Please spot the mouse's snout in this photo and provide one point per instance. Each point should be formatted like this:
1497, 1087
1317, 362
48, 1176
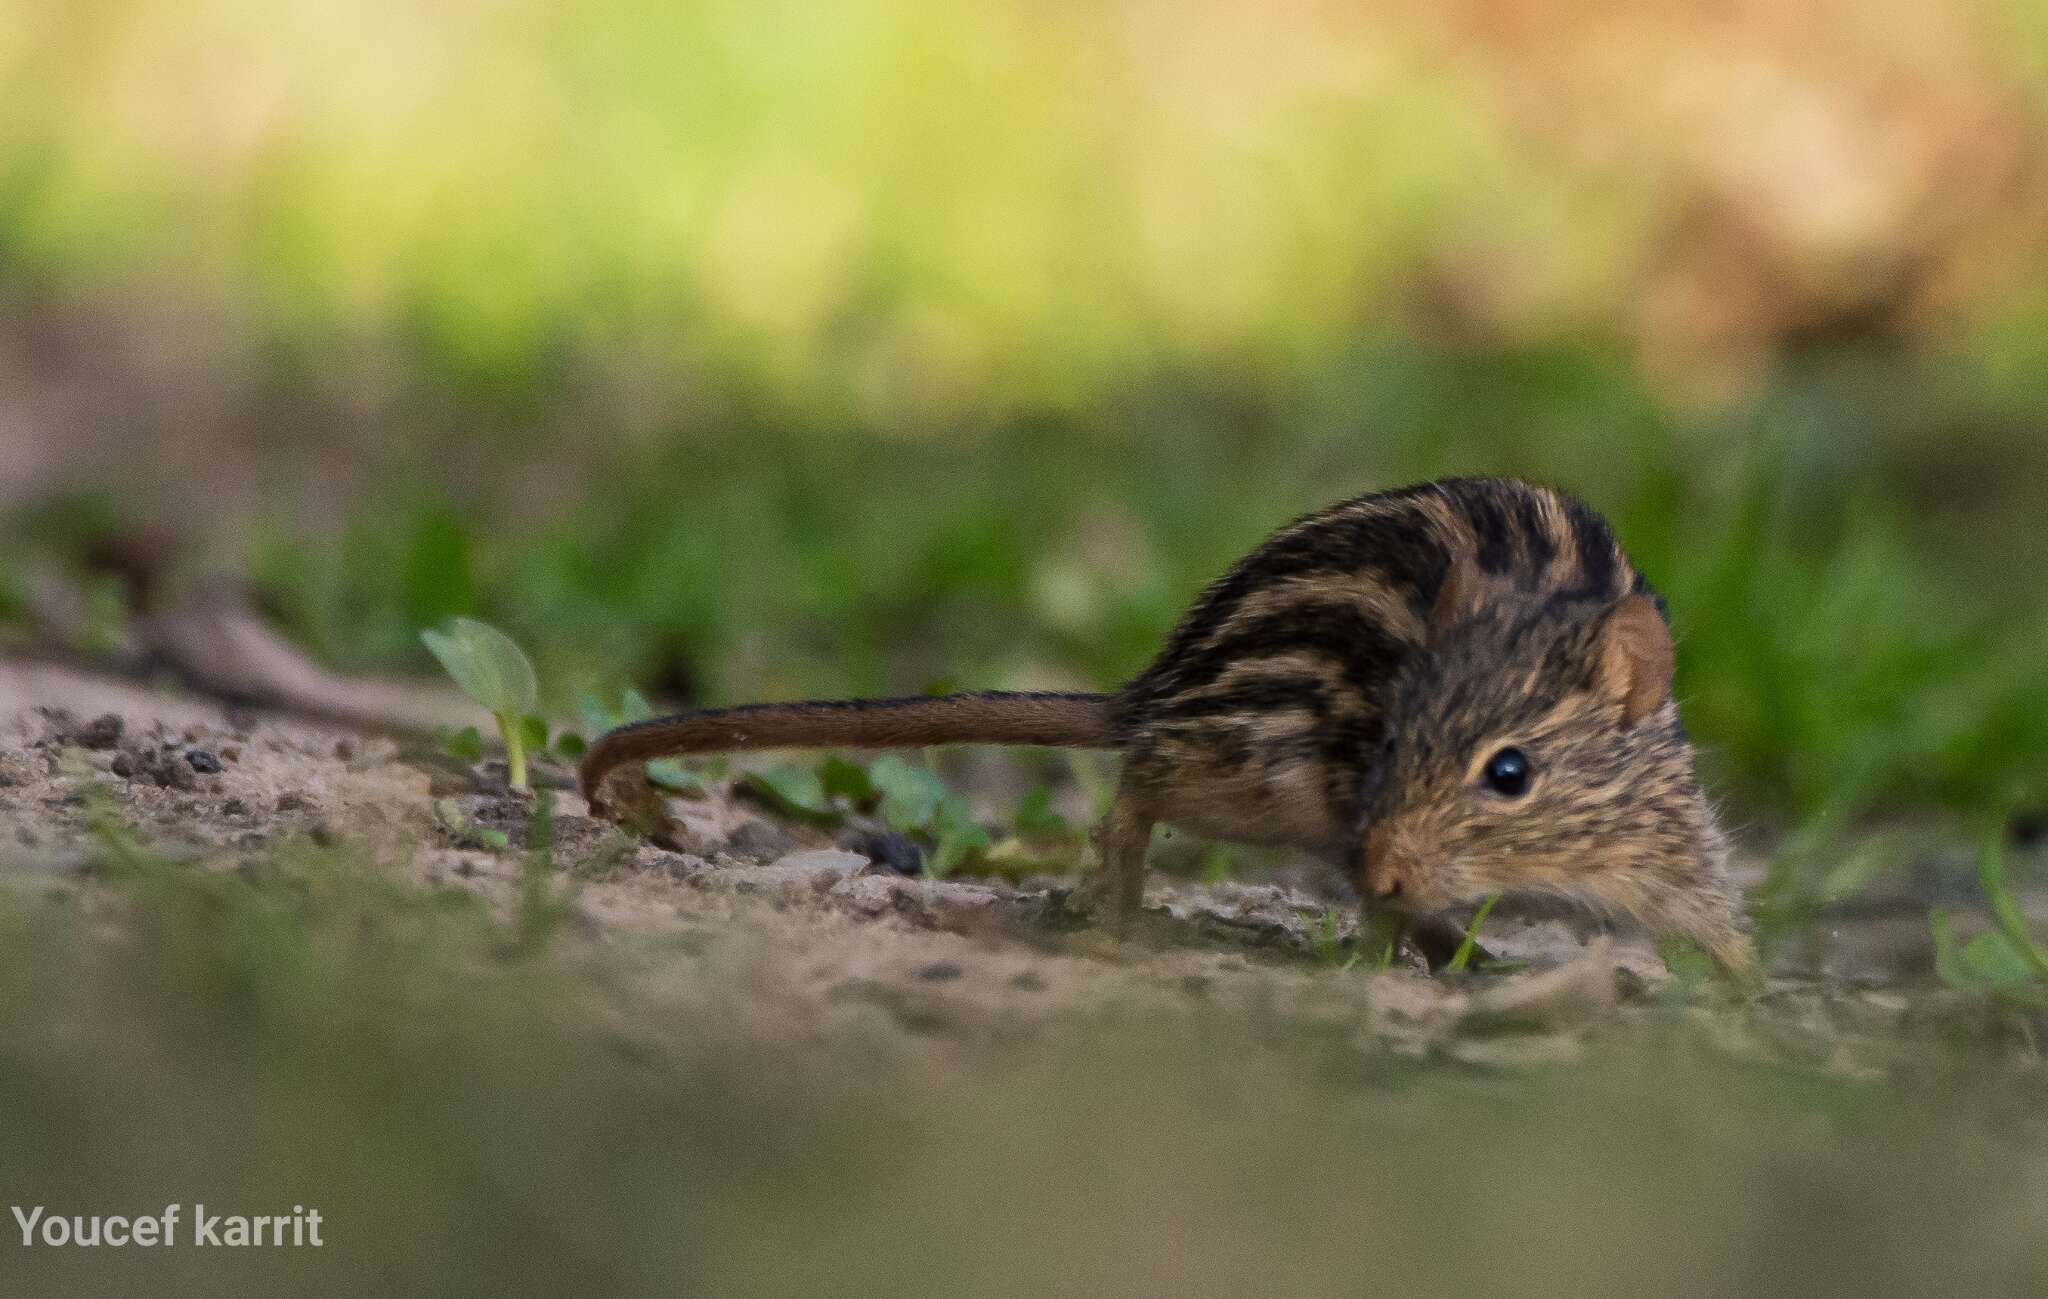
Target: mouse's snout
1397, 862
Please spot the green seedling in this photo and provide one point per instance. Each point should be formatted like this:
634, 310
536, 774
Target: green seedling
465, 745
491, 669
846, 779
1036, 817
2006, 961
914, 800
1323, 942
1463, 956
541, 909
793, 790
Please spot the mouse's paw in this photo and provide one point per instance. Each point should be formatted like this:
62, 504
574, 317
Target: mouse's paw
1098, 897
1086, 901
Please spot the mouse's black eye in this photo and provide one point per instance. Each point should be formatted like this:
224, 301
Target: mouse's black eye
1508, 772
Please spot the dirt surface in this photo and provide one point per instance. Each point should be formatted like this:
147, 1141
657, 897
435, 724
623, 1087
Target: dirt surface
789, 928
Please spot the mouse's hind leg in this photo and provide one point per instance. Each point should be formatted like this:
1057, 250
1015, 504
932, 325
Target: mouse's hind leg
1116, 884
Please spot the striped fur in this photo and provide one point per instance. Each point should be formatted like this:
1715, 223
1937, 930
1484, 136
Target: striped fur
1272, 696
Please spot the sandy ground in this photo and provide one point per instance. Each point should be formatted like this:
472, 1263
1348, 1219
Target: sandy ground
790, 928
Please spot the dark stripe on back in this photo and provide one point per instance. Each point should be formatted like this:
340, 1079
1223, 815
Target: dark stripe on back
1278, 693
1526, 513
1337, 629
1350, 538
1595, 544
1481, 505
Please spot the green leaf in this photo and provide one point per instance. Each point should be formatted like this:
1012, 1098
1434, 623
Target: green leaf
1948, 962
533, 728
2004, 907
633, 707
1035, 814
1690, 967
1996, 962
671, 774
465, 745
1988, 962
956, 838
569, 746
793, 789
910, 795
846, 779
1217, 864
596, 718
487, 664
1463, 956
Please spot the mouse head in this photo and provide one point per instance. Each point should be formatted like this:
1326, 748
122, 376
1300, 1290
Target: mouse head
1535, 750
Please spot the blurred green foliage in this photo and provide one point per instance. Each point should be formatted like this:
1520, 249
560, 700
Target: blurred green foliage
1843, 649
869, 346
891, 203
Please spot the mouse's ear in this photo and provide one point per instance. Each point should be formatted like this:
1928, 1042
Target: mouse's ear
1636, 657
1457, 597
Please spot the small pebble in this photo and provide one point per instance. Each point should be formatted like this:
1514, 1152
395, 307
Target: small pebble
203, 762
892, 852
15, 770
102, 732
170, 773
759, 841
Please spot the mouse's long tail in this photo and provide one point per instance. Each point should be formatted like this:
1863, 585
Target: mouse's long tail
1058, 720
